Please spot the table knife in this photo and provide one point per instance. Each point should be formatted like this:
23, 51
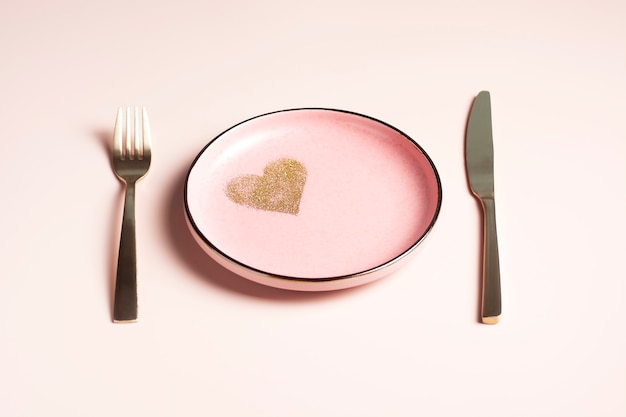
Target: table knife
479, 165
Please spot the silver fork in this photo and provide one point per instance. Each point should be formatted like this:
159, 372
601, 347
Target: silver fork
131, 160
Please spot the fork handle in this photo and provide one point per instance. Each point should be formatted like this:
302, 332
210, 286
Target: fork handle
491, 299
125, 303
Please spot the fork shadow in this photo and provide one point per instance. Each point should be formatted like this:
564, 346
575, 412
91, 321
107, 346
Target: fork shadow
105, 138
202, 266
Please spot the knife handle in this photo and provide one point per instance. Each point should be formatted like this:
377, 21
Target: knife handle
491, 298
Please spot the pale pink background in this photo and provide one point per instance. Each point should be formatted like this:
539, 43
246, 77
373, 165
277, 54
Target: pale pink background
209, 343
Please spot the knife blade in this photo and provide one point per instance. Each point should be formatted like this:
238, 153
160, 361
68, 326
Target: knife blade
479, 166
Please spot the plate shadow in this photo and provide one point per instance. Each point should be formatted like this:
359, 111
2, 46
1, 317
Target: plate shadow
205, 268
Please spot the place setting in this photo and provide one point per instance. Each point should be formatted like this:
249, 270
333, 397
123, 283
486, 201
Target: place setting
308, 199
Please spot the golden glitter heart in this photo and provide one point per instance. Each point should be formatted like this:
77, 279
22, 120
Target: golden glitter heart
278, 189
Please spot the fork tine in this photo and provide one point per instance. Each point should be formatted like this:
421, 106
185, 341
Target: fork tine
117, 134
147, 135
127, 145
137, 137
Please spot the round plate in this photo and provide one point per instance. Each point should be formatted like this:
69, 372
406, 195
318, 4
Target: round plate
311, 199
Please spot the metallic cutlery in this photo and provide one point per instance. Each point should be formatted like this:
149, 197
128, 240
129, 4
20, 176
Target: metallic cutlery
132, 153
479, 165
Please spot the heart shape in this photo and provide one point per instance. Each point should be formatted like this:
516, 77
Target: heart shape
278, 189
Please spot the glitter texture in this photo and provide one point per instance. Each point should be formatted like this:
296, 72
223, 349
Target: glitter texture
278, 189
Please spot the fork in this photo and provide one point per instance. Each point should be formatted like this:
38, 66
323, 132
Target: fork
131, 159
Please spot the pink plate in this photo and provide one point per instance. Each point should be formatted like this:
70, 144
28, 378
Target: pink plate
311, 199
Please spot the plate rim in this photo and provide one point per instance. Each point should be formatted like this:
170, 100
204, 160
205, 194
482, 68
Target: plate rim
265, 274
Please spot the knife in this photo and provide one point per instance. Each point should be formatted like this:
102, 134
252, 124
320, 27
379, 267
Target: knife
479, 165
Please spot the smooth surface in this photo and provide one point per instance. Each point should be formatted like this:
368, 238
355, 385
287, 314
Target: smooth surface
366, 194
408, 345
479, 165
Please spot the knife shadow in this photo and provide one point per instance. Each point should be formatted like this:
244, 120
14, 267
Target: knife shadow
467, 119
480, 265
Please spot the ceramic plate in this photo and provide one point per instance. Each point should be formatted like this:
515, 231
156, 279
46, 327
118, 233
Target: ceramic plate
311, 199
